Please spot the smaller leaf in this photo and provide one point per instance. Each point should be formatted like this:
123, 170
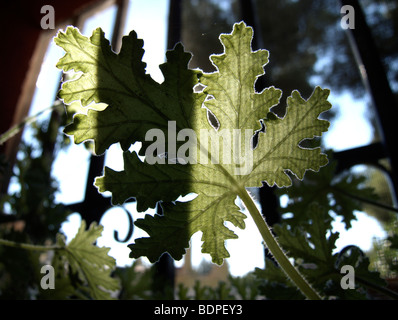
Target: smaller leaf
92, 264
341, 194
312, 246
309, 242
274, 284
352, 255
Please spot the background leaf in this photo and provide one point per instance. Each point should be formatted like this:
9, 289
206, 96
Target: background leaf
312, 245
91, 264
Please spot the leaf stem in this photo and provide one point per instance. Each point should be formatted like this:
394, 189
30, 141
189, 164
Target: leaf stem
27, 246
384, 290
28, 120
365, 200
276, 250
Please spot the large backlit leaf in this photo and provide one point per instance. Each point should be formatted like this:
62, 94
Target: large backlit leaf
184, 158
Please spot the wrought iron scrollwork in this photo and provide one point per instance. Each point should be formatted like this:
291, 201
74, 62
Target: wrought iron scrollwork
130, 228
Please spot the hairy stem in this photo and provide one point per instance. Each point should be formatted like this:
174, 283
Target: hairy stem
276, 250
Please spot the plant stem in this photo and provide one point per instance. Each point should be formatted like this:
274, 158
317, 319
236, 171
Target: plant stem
373, 286
368, 201
18, 127
28, 246
276, 250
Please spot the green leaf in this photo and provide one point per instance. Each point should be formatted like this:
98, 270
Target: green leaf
342, 194
352, 255
279, 150
312, 246
89, 262
274, 285
192, 163
136, 103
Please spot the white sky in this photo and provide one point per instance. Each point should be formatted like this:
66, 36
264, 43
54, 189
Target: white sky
351, 128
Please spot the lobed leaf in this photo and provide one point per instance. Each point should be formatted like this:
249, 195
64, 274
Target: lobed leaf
137, 104
312, 247
342, 194
91, 263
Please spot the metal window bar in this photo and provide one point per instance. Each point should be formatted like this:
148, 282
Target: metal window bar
164, 269
375, 81
94, 205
